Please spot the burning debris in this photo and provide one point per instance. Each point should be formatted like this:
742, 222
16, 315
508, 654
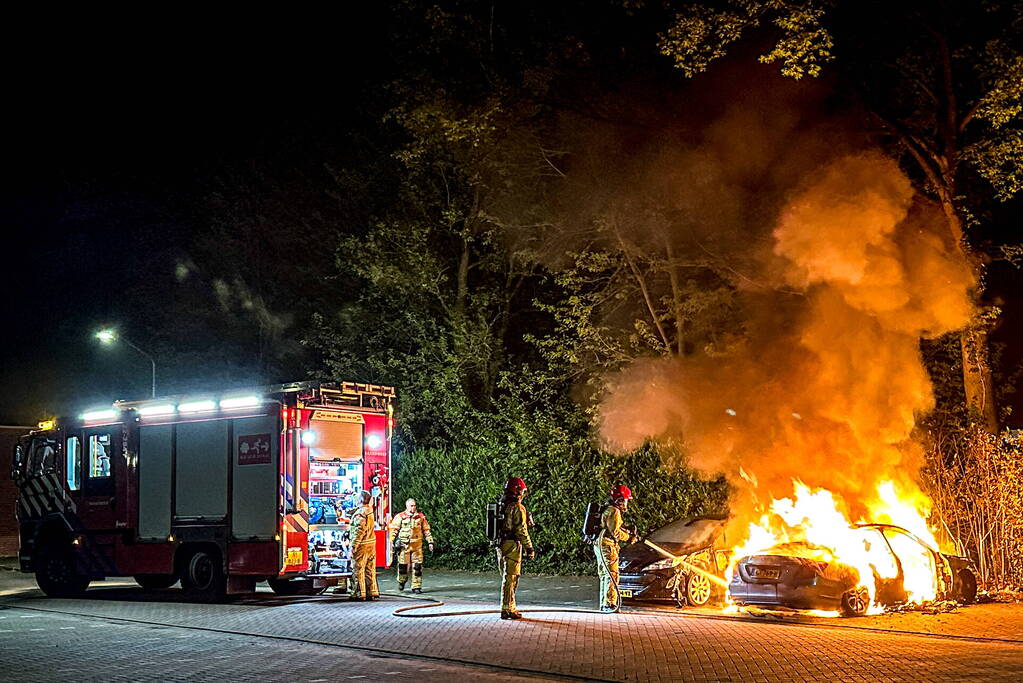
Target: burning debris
811, 419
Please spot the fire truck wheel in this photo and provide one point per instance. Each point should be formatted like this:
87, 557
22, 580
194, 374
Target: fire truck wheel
55, 574
203, 575
155, 582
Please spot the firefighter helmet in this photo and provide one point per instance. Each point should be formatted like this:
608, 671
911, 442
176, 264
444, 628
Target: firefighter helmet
621, 492
515, 486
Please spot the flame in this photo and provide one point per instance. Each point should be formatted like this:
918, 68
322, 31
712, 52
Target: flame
812, 525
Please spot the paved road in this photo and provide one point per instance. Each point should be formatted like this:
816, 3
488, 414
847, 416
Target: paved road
119, 632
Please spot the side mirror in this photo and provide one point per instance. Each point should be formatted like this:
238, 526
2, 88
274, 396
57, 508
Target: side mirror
18, 461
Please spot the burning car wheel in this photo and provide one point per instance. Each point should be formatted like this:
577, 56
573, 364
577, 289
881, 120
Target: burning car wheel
56, 576
967, 591
855, 602
698, 590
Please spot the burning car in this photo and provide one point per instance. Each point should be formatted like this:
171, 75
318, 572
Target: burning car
697, 542
805, 576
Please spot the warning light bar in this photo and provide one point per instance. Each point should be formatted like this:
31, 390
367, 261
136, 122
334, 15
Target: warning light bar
161, 409
240, 402
93, 415
197, 406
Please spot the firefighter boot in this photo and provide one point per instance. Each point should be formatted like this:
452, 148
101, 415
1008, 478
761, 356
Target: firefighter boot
402, 570
417, 575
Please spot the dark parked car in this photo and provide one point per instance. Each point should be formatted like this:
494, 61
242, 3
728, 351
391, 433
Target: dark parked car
789, 576
645, 574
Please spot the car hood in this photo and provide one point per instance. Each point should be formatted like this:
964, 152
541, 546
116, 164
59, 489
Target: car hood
638, 555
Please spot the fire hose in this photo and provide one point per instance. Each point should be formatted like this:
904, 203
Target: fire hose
678, 561
404, 611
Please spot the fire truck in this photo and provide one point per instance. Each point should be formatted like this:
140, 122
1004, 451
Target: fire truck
218, 492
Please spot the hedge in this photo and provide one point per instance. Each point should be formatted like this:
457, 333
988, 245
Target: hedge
453, 485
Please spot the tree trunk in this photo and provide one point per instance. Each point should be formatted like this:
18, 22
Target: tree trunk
973, 340
676, 298
977, 382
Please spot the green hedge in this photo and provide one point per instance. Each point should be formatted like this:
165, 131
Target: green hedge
453, 486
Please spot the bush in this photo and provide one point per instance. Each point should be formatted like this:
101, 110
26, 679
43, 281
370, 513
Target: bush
453, 486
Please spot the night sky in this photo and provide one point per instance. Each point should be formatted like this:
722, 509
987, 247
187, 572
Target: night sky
115, 147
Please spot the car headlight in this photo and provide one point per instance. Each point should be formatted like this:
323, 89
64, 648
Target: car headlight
666, 563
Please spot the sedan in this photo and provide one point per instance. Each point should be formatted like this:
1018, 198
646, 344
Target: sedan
797, 576
646, 574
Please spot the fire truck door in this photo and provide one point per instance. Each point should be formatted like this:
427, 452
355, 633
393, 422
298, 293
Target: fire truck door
102, 462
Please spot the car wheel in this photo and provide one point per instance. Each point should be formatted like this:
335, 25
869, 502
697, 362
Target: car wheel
155, 582
203, 576
855, 602
56, 574
967, 591
698, 589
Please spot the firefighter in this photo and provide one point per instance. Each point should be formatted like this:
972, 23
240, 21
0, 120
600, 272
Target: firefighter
407, 531
364, 550
514, 543
606, 548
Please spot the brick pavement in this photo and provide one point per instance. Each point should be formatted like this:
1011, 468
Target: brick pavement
637, 646
38, 646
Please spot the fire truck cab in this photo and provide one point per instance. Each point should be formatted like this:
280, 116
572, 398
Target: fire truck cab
219, 492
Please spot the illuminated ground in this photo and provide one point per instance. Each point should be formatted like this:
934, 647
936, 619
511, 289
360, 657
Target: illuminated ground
120, 633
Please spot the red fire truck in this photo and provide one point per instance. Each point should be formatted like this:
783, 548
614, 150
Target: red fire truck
219, 492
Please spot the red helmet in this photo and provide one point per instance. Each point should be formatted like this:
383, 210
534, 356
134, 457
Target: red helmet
621, 492
515, 486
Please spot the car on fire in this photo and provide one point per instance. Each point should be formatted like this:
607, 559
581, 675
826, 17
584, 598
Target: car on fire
645, 574
804, 576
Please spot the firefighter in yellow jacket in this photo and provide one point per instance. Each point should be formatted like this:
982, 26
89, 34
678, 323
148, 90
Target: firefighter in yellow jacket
406, 534
364, 551
514, 544
606, 548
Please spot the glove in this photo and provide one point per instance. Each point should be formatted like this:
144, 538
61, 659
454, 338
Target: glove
430, 546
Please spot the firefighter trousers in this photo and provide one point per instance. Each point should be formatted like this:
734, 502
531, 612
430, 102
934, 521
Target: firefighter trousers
364, 570
410, 560
607, 569
509, 561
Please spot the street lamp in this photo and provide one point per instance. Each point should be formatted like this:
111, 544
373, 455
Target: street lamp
111, 336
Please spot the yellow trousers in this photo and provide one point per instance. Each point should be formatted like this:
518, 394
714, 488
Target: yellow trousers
607, 570
410, 559
364, 570
509, 560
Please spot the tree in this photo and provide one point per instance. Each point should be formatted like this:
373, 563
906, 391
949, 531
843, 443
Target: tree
942, 81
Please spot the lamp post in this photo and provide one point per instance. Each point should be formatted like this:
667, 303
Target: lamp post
111, 336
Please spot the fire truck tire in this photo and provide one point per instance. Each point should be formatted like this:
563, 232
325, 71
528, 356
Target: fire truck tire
155, 582
294, 587
55, 573
202, 575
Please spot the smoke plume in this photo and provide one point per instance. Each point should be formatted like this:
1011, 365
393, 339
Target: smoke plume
829, 381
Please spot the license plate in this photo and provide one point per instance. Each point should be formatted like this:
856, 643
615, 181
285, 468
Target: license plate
294, 556
762, 572
626, 594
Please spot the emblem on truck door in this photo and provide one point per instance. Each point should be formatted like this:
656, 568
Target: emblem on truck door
254, 449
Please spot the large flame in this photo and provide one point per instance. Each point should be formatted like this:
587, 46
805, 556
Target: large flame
811, 417
811, 524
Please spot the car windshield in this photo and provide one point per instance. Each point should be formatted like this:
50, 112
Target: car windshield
697, 531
